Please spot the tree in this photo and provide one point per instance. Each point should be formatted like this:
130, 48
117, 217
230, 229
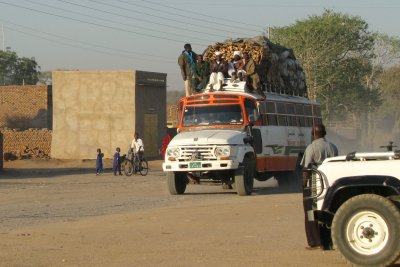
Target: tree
335, 51
390, 85
385, 71
17, 71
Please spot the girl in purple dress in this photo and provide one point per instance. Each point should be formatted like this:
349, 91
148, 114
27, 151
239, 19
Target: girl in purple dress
117, 162
99, 162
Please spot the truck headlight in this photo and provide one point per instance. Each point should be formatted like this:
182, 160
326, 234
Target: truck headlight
173, 152
224, 151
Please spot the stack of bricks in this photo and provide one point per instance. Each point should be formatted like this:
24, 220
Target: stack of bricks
26, 144
24, 107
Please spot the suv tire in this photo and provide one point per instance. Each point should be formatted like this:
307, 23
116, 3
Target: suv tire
366, 231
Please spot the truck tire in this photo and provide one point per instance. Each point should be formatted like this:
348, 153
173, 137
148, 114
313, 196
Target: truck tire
244, 182
176, 182
366, 231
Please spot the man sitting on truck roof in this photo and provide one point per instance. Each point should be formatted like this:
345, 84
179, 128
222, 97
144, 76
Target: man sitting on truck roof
235, 68
218, 69
201, 74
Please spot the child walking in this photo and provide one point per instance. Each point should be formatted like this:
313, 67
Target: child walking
117, 162
99, 162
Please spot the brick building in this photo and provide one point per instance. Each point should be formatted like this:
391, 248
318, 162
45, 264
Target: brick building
25, 120
24, 107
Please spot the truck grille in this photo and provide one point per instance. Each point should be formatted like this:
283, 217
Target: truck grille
197, 153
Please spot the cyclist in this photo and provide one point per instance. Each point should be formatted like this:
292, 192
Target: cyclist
137, 148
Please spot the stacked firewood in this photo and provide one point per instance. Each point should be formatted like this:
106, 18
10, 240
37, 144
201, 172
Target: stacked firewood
227, 49
277, 66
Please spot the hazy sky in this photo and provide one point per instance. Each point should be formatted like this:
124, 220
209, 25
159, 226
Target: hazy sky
149, 34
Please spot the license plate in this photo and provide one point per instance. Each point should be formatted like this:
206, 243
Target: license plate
195, 164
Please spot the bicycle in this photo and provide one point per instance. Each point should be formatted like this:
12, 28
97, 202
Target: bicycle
134, 163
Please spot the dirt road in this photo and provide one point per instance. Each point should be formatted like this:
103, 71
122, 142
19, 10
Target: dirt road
58, 213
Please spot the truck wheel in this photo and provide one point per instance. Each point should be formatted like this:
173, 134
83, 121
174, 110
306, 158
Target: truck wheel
244, 182
176, 182
366, 230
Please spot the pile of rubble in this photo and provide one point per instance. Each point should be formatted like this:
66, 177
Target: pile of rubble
26, 153
31, 143
277, 66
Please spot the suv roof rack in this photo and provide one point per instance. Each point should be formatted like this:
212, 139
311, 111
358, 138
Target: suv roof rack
372, 155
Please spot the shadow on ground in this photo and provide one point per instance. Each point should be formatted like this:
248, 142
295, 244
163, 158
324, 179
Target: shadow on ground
45, 172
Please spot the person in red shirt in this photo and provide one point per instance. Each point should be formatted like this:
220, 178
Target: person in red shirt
165, 142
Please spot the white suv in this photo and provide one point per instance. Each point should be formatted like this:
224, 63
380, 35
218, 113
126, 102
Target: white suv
356, 202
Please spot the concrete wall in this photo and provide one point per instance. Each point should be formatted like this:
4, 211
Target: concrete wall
25, 107
102, 109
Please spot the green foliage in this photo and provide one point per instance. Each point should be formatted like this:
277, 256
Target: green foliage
16, 71
335, 51
390, 83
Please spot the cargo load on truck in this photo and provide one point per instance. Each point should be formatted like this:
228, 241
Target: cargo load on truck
277, 66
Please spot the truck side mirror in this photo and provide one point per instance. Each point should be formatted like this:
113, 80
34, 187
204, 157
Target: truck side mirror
251, 119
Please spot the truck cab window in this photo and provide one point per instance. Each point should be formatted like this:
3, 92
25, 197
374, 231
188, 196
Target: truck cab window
212, 115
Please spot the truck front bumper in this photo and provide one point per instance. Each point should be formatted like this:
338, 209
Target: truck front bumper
192, 166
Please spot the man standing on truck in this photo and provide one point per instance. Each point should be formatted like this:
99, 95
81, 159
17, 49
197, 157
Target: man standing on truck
315, 154
187, 63
252, 78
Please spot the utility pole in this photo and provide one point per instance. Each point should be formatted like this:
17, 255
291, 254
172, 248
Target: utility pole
2, 37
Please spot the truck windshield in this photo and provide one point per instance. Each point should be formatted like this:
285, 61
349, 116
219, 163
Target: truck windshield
212, 115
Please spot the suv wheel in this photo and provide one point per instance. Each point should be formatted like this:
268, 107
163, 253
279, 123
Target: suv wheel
366, 231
